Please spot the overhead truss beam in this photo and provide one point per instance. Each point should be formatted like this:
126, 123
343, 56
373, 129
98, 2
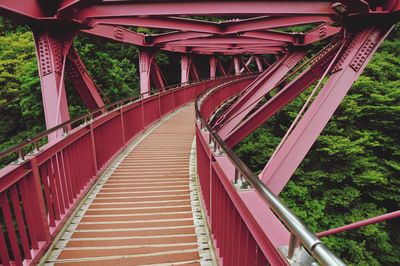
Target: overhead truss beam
171, 8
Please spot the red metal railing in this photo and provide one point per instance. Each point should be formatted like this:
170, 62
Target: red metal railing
40, 191
248, 224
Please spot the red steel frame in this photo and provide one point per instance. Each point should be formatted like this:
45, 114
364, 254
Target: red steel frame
57, 169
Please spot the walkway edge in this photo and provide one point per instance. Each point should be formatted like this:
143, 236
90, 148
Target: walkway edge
207, 256
98, 184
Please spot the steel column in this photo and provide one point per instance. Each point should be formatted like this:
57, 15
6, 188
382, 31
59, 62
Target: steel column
255, 85
185, 68
236, 63
145, 60
259, 63
213, 66
51, 50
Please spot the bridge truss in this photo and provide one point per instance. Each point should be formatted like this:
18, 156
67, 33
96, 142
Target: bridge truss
351, 29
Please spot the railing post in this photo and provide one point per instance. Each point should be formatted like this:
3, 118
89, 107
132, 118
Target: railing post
93, 144
143, 120
122, 126
159, 104
36, 197
173, 98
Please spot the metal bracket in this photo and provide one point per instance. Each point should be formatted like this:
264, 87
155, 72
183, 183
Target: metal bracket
300, 257
240, 183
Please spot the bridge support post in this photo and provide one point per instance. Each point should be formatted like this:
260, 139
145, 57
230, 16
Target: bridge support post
185, 68
145, 60
236, 63
213, 66
259, 63
52, 46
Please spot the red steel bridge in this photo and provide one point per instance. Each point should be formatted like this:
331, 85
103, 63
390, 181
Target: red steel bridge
123, 185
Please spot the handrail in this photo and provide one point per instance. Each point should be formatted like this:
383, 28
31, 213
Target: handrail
299, 231
88, 117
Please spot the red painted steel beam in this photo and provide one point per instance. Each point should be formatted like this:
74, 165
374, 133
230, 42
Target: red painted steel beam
282, 98
259, 63
213, 66
82, 81
238, 50
193, 71
208, 8
172, 23
156, 76
73, 4
236, 64
186, 60
175, 36
51, 49
271, 46
263, 23
271, 35
220, 68
192, 25
319, 33
145, 61
264, 59
246, 65
118, 34
245, 104
226, 40
361, 45
126, 36
23, 9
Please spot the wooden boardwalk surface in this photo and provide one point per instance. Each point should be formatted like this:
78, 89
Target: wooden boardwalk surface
142, 213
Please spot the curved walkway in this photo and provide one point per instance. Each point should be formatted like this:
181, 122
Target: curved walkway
143, 211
